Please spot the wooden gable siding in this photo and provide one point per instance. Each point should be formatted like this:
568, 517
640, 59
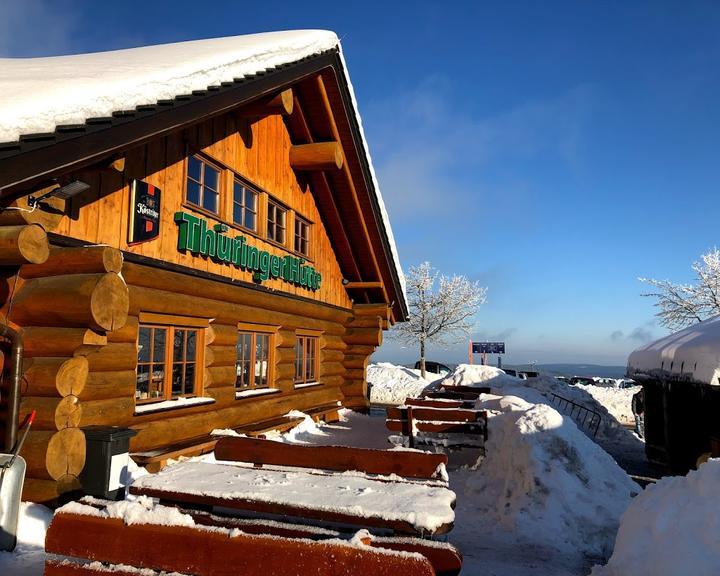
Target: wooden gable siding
258, 151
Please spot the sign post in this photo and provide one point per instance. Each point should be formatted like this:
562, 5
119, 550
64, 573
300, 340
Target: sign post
486, 348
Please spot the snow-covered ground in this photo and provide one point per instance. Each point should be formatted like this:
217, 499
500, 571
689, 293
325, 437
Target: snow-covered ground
546, 500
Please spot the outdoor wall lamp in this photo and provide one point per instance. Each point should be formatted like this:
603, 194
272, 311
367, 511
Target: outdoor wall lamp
64, 192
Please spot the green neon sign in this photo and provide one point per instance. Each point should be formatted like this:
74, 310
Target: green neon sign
196, 237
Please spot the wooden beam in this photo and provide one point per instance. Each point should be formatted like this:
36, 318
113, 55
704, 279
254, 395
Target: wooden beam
360, 285
316, 156
281, 103
23, 245
349, 178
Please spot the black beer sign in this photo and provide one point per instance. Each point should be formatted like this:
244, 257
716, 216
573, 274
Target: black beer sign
144, 212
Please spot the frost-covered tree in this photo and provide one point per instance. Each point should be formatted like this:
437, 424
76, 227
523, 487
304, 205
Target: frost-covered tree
440, 316
681, 305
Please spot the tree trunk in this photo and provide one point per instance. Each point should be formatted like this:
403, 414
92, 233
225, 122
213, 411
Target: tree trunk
422, 357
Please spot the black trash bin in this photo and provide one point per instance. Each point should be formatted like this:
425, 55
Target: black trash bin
106, 461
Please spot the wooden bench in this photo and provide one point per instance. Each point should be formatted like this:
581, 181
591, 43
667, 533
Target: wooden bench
156, 460
459, 392
325, 413
439, 426
161, 540
401, 480
419, 465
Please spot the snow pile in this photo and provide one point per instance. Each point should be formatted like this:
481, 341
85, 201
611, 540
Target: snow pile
142, 510
478, 375
672, 528
391, 384
29, 555
545, 481
617, 401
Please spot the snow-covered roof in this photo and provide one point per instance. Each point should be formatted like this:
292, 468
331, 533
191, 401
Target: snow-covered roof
39, 94
691, 354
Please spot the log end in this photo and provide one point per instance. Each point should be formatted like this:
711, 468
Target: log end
110, 303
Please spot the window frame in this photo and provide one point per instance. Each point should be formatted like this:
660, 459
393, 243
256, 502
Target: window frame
286, 211
170, 324
236, 180
220, 190
305, 337
255, 330
308, 239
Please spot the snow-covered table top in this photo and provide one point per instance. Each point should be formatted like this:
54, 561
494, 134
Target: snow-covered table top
348, 498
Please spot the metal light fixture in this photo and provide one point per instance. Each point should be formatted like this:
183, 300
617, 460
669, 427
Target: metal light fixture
64, 192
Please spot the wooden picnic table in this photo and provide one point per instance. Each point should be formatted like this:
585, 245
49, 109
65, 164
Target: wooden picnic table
350, 498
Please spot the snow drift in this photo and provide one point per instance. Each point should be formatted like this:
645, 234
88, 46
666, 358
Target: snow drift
547, 482
391, 384
672, 528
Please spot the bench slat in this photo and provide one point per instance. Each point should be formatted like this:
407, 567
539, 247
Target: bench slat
337, 458
447, 427
190, 550
437, 414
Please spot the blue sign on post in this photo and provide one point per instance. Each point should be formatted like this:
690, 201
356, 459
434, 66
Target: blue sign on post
488, 347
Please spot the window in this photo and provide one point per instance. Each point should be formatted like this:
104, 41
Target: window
203, 184
276, 222
253, 360
306, 357
302, 236
167, 361
244, 205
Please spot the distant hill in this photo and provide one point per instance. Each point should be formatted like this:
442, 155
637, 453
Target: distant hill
583, 370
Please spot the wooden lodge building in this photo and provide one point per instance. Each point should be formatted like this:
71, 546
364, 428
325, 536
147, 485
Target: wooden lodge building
191, 238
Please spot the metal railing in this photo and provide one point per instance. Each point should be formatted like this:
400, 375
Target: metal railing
583, 416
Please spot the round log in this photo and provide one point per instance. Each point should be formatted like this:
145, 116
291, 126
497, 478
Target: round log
51, 413
106, 385
53, 377
316, 156
283, 355
284, 371
23, 244
54, 342
110, 412
332, 342
218, 376
97, 301
113, 357
331, 355
223, 396
364, 336
80, 260
331, 369
257, 306
127, 333
222, 334
220, 356
355, 362
47, 491
47, 214
52, 455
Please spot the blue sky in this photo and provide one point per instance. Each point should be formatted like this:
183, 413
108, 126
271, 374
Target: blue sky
554, 151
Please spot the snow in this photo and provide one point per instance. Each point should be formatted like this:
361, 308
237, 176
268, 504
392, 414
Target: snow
425, 507
38, 94
391, 384
256, 392
672, 528
546, 481
690, 354
29, 555
617, 401
172, 404
479, 375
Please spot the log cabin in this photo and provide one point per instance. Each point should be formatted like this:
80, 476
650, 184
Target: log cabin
192, 237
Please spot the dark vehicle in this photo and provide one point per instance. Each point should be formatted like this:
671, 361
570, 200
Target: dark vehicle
434, 367
581, 380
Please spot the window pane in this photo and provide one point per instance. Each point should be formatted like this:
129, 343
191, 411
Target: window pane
159, 344
191, 339
143, 382
211, 177
144, 344
193, 192
238, 190
177, 380
157, 381
190, 378
209, 200
179, 346
237, 214
249, 220
250, 197
281, 217
299, 353
194, 167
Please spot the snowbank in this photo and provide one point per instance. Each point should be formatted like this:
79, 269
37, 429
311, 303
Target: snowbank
478, 375
545, 481
391, 384
28, 558
617, 401
671, 529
